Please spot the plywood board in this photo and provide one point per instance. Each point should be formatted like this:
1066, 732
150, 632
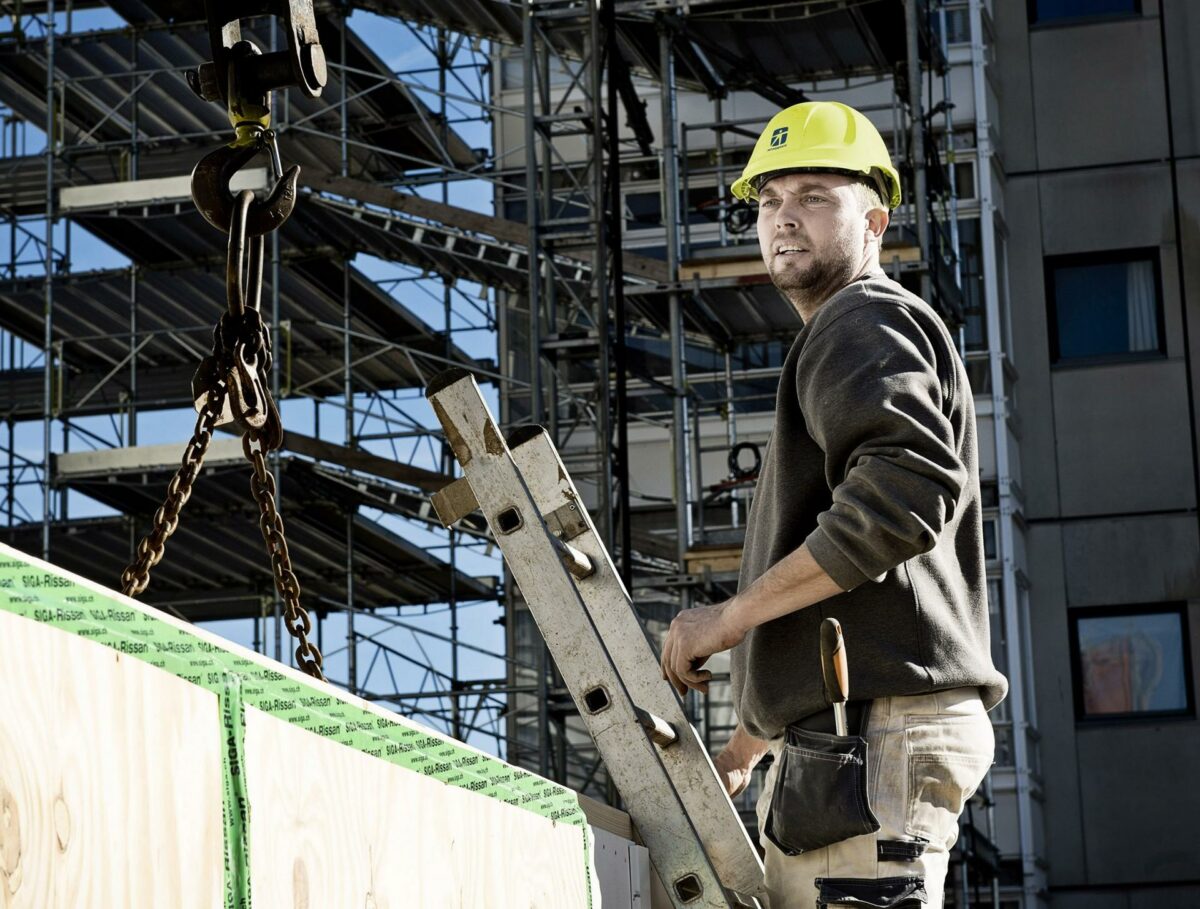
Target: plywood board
109, 778
331, 826
111, 747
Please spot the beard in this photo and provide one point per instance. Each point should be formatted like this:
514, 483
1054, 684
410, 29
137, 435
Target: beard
828, 271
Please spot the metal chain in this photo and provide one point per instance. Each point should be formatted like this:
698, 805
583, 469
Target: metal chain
295, 617
136, 575
238, 372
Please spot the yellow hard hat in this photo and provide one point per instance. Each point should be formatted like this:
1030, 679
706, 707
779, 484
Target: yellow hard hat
820, 135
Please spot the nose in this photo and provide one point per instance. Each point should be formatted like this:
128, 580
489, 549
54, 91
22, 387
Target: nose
785, 215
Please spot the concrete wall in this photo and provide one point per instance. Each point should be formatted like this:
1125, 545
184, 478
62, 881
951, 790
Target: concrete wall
1107, 450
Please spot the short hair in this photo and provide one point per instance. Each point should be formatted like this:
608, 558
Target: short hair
866, 190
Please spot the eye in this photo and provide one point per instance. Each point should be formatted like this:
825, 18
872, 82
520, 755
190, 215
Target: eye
813, 198
767, 203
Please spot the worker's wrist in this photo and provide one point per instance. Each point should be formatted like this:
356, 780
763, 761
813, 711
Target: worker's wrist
737, 616
745, 747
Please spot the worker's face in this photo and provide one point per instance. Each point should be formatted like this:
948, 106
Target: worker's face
814, 234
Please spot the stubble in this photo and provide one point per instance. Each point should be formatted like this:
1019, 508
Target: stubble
826, 273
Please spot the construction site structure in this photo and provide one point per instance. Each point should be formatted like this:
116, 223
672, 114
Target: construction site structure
658, 389
557, 173
368, 294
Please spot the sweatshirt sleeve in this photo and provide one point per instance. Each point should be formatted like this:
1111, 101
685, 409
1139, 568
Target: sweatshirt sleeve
872, 398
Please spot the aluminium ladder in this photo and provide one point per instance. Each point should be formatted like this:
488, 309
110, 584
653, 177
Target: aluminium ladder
697, 842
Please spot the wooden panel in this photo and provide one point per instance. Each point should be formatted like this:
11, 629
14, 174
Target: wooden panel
109, 778
714, 558
331, 826
606, 817
110, 771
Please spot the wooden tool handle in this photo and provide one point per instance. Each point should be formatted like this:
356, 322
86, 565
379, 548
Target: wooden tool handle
833, 662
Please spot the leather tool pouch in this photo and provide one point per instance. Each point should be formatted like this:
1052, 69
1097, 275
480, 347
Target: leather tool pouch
820, 793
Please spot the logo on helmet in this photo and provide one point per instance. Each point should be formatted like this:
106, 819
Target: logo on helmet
779, 137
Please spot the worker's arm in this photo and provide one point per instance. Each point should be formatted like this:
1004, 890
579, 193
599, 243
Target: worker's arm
792, 583
876, 390
868, 384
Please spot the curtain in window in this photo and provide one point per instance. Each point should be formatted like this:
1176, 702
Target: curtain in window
1142, 304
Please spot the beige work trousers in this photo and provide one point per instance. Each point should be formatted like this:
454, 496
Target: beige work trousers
926, 756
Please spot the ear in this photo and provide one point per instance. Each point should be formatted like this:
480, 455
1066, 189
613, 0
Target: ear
877, 222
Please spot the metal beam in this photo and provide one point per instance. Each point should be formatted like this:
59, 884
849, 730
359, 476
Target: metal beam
465, 219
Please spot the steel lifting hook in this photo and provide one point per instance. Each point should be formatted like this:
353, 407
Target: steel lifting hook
215, 200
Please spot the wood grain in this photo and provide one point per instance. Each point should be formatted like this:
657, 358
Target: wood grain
331, 826
109, 778
110, 796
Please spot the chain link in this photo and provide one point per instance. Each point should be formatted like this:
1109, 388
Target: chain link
237, 371
295, 617
136, 575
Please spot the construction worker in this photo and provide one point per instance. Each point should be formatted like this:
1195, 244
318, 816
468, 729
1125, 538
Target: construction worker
868, 510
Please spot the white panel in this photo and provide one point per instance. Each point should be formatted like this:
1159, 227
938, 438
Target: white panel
145, 192
613, 870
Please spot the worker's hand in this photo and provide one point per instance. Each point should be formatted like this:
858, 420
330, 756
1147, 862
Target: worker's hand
733, 773
738, 759
694, 636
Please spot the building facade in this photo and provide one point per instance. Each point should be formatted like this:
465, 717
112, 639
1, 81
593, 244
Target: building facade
1099, 135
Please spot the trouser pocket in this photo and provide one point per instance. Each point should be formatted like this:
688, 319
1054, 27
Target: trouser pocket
948, 759
820, 793
882, 893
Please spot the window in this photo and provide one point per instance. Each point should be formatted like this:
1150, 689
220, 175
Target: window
970, 254
958, 25
990, 550
1131, 662
1105, 307
1058, 10
643, 209
964, 179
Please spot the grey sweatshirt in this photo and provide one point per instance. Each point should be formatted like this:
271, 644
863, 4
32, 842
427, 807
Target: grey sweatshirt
873, 463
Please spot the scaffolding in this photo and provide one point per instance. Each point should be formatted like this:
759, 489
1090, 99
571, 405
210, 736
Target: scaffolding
370, 292
685, 368
623, 285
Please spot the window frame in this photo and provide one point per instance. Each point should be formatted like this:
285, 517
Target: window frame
1061, 21
1103, 257
1177, 607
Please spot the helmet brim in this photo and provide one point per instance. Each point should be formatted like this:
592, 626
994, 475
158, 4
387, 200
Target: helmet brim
746, 187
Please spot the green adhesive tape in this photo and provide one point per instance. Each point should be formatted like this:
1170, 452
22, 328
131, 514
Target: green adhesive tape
235, 806
43, 593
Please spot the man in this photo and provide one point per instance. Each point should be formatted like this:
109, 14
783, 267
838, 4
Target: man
868, 510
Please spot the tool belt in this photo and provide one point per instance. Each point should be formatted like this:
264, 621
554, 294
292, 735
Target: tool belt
822, 721
820, 795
